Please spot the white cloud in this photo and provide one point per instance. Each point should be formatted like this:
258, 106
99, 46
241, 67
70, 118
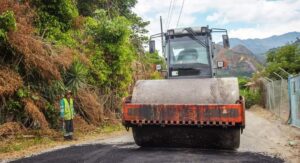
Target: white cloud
265, 31
266, 18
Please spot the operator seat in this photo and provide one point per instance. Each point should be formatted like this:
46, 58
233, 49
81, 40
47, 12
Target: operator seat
187, 56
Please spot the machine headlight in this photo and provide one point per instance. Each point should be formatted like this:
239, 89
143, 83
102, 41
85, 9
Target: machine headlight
171, 32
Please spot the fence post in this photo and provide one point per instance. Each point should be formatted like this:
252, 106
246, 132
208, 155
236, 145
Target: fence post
280, 105
273, 97
269, 105
290, 99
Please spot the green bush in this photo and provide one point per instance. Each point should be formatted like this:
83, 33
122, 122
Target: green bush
54, 90
98, 74
150, 60
75, 77
23, 92
7, 23
252, 97
156, 75
15, 109
154, 58
52, 115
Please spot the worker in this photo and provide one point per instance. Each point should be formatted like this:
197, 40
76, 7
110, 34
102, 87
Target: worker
240, 100
67, 114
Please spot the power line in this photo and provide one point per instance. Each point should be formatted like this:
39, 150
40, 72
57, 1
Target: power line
171, 14
180, 13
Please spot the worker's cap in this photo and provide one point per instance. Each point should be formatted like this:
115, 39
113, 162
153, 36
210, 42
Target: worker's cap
68, 92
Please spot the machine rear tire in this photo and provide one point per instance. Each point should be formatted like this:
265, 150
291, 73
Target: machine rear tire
186, 136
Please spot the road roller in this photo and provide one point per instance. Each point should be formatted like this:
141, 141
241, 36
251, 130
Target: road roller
192, 107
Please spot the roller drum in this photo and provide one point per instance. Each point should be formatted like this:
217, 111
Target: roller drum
186, 91
187, 136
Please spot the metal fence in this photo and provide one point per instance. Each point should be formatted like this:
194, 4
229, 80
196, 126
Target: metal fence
294, 92
276, 97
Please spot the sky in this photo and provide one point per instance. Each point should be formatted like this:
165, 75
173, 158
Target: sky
242, 18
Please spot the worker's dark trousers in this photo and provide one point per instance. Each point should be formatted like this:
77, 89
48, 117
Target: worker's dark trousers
69, 128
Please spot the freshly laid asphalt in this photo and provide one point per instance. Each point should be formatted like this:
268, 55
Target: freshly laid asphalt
130, 153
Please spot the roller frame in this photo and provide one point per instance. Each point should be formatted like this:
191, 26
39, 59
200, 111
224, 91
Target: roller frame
225, 115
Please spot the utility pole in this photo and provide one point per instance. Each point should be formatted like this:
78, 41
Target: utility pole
162, 37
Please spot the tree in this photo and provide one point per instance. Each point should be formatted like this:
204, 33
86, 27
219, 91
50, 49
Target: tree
286, 57
115, 8
63, 11
111, 37
55, 19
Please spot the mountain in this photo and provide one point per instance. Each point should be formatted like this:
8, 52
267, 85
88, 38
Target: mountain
240, 61
246, 56
242, 49
261, 46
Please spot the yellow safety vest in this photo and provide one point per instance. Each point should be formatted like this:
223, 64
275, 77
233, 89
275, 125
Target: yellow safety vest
68, 109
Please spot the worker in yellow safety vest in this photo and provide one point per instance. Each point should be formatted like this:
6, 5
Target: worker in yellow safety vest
67, 113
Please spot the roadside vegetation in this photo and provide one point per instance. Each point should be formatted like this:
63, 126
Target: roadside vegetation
94, 48
285, 58
252, 96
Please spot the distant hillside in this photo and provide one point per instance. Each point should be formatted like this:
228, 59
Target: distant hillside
242, 49
240, 61
260, 46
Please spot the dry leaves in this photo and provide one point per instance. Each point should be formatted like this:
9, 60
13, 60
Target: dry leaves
10, 81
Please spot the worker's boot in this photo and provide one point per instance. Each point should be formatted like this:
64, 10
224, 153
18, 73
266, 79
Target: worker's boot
66, 138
